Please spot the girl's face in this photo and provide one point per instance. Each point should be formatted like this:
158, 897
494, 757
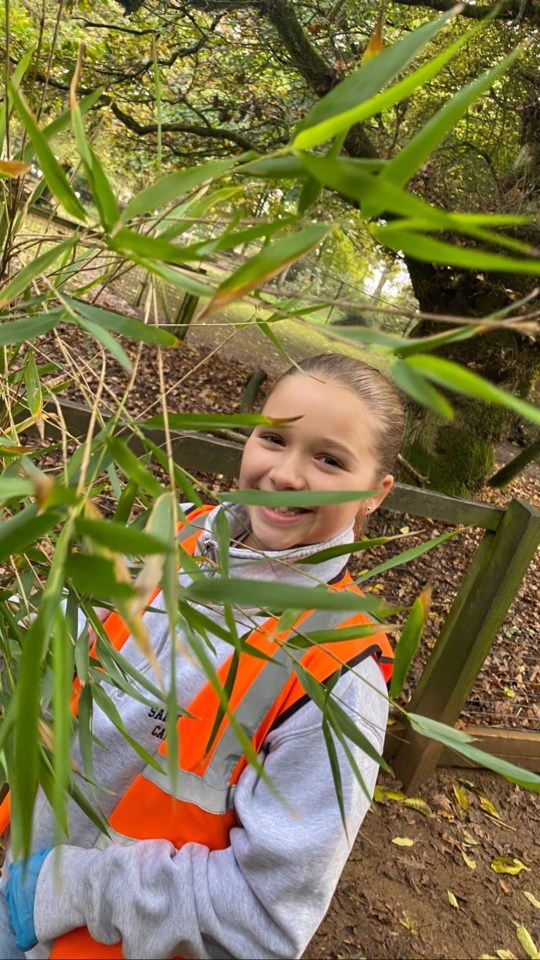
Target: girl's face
331, 447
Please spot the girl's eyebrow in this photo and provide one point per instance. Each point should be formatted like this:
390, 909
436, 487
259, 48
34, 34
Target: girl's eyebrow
331, 444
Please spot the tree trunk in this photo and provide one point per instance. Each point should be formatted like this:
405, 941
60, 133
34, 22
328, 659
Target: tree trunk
458, 457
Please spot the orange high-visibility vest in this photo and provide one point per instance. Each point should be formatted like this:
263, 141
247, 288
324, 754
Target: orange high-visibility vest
200, 806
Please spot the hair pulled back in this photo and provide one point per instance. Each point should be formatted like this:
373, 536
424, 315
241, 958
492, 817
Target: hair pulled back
378, 393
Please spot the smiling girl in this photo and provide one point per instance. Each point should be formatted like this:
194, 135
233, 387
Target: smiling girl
226, 863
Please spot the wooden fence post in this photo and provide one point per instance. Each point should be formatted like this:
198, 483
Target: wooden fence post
478, 611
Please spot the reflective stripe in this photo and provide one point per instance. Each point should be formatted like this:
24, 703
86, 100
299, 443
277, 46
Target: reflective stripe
212, 792
191, 788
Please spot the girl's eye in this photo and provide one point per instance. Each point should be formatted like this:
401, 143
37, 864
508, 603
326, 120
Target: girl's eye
331, 461
273, 438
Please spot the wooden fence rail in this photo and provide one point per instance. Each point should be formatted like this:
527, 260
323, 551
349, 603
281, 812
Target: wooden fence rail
490, 584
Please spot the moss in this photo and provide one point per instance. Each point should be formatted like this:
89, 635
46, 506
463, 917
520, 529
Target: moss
460, 466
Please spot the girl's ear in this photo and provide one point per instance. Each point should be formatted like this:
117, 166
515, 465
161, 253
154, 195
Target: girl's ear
371, 504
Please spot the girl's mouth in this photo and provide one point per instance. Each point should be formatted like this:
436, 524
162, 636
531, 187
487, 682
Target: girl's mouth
283, 514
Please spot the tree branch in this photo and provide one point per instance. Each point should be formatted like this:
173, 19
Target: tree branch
177, 127
510, 9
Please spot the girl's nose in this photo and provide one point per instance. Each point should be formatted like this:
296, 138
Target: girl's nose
287, 475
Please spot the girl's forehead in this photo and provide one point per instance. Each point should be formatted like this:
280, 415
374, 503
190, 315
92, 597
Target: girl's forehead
305, 393
324, 408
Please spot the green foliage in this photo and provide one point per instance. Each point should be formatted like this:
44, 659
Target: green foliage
58, 544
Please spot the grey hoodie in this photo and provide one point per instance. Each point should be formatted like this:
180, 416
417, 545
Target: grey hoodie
266, 894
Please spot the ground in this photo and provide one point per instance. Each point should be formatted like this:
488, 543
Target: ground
397, 902
438, 896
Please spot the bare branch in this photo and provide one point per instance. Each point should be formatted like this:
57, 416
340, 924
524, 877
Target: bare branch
177, 127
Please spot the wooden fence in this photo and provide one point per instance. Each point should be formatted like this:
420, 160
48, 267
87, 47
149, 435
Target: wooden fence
491, 581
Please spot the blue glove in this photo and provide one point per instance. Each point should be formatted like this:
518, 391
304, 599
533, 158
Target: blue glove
20, 894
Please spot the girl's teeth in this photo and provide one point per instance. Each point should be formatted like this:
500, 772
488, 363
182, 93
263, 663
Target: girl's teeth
287, 510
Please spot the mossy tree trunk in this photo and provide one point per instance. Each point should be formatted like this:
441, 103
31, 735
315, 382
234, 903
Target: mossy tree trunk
458, 457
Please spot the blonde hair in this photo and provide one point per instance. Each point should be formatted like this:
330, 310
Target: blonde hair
378, 393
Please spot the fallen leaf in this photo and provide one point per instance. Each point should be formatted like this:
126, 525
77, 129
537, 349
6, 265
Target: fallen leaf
402, 841
527, 942
385, 793
489, 808
469, 861
509, 865
452, 899
416, 803
461, 798
505, 955
410, 925
469, 839
532, 899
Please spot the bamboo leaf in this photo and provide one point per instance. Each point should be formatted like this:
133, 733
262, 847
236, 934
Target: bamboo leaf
409, 641
96, 577
100, 188
62, 653
406, 556
359, 96
183, 217
267, 264
84, 728
106, 705
52, 171
279, 597
175, 185
133, 468
345, 549
16, 78
413, 383
455, 377
210, 421
462, 744
27, 697
339, 718
122, 325
120, 539
24, 528
426, 248
334, 767
14, 168
107, 341
179, 278
292, 498
144, 245
20, 283
33, 386
302, 642
15, 488
409, 159
61, 122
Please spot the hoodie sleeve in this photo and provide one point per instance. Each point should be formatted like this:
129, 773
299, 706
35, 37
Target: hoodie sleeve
262, 897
